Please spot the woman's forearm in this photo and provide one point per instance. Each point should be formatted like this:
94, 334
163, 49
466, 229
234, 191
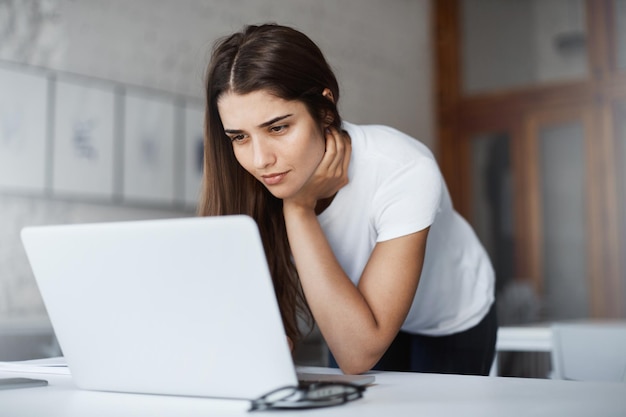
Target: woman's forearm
342, 313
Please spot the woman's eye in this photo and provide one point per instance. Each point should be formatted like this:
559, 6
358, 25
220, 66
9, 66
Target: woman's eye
278, 129
237, 138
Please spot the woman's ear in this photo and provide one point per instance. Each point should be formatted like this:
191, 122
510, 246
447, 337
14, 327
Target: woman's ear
328, 116
328, 94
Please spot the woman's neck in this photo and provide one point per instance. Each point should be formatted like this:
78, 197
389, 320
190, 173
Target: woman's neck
323, 204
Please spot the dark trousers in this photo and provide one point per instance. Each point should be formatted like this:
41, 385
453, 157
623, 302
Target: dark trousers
469, 352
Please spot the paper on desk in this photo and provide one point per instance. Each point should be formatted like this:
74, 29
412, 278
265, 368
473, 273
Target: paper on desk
56, 365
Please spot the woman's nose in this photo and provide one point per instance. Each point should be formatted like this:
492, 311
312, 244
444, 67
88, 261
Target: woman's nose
264, 155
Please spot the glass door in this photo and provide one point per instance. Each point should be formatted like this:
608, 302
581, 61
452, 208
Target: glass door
562, 170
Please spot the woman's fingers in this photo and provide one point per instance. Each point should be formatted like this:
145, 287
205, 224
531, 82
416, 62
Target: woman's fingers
332, 171
338, 149
346, 155
336, 152
331, 149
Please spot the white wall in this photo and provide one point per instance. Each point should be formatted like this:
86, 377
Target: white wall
512, 43
380, 49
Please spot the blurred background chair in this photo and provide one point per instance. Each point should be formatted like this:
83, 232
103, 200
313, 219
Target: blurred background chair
589, 351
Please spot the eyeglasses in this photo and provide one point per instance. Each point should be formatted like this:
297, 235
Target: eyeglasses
311, 395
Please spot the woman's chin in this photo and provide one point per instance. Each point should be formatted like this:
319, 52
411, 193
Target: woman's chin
278, 193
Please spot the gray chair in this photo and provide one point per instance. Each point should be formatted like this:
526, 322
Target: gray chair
589, 351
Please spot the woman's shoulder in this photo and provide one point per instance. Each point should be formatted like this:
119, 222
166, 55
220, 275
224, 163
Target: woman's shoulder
381, 141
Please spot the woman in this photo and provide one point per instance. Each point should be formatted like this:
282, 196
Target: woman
352, 217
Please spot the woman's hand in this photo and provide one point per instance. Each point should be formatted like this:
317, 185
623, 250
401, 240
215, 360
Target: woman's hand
331, 173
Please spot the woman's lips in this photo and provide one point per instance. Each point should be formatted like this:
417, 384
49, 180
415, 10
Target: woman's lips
273, 179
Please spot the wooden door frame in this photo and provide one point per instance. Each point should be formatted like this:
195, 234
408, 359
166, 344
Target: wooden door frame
460, 117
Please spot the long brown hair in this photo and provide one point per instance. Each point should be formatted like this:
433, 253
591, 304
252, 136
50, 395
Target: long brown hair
287, 64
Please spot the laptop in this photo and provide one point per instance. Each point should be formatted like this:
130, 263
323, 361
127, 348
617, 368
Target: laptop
174, 306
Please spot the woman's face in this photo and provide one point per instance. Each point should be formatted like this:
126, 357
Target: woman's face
275, 140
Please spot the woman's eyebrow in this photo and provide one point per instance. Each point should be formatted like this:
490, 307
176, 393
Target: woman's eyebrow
264, 124
274, 120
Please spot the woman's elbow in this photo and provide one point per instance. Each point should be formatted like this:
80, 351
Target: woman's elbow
356, 364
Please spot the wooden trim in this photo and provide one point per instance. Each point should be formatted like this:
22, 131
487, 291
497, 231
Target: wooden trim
448, 90
532, 174
613, 288
599, 27
493, 111
448, 62
499, 110
607, 24
594, 180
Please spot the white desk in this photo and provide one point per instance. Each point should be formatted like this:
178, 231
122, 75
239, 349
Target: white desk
394, 394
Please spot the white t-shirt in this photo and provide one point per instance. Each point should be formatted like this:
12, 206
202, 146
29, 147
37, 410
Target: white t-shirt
395, 188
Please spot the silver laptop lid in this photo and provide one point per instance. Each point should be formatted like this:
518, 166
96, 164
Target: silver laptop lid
176, 306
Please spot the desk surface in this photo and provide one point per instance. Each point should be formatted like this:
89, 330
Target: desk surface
394, 394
